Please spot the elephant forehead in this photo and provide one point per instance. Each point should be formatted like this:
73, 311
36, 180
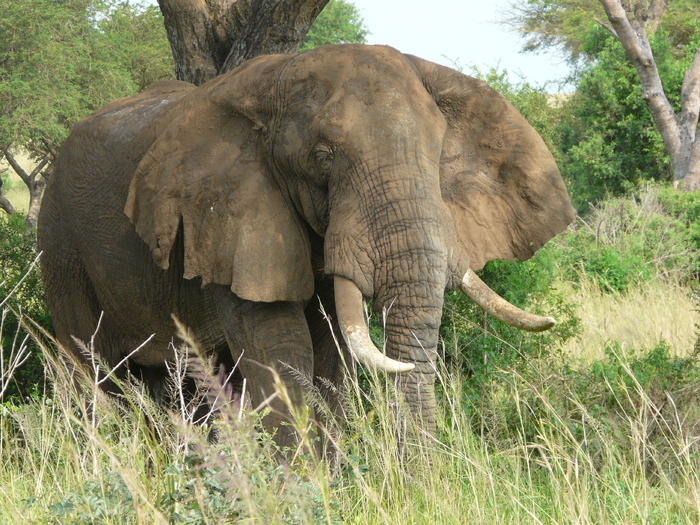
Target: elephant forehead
369, 73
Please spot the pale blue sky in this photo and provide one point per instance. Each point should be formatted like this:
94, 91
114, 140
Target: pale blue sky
464, 31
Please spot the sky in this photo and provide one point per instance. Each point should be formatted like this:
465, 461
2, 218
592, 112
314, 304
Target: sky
464, 32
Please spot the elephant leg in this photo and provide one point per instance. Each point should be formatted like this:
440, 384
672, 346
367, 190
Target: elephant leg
75, 308
269, 336
74, 305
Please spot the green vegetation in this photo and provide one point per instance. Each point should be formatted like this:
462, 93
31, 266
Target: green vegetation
612, 136
59, 61
339, 23
608, 141
21, 301
572, 26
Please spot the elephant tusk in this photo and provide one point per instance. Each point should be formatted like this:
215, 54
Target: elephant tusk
348, 304
492, 303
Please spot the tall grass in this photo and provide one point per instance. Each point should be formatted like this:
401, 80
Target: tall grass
540, 448
642, 317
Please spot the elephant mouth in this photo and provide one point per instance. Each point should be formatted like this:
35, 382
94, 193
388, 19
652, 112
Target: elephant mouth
355, 332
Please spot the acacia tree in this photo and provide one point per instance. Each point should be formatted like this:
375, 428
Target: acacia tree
59, 61
567, 23
629, 24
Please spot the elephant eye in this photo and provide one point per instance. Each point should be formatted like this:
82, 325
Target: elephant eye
323, 155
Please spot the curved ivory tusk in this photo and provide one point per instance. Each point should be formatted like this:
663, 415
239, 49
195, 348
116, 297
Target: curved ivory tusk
492, 303
348, 305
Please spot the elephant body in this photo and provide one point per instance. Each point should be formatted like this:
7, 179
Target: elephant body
240, 205
90, 246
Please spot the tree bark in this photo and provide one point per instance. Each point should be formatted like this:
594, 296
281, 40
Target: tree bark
210, 37
5, 204
35, 182
679, 131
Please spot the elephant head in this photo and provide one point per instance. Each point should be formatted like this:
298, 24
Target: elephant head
414, 175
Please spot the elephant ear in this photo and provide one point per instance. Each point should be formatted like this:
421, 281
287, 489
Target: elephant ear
209, 176
498, 178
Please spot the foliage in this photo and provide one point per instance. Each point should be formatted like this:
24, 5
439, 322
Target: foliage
570, 25
608, 140
339, 23
135, 36
685, 206
60, 61
481, 345
17, 254
628, 241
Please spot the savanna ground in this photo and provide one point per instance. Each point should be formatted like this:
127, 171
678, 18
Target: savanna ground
597, 421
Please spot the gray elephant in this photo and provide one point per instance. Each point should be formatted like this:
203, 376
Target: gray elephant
238, 206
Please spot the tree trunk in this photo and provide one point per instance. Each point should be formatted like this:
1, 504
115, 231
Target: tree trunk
36, 191
4, 203
679, 131
35, 182
210, 37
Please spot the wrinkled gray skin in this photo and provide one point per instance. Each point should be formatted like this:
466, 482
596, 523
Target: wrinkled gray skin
233, 205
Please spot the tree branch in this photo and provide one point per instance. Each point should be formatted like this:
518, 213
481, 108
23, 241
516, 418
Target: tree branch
638, 50
37, 169
17, 168
49, 147
608, 27
6, 205
654, 13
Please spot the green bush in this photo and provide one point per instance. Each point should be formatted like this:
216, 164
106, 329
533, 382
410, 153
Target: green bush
630, 240
22, 295
608, 141
686, 206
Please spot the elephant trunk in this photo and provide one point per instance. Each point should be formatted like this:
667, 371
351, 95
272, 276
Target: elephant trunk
410, 283
411, 330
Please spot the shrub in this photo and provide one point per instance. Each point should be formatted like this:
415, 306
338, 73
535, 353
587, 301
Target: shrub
626, 241
22, 297
483, 345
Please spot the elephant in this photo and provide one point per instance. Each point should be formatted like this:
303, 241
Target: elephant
294, 184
